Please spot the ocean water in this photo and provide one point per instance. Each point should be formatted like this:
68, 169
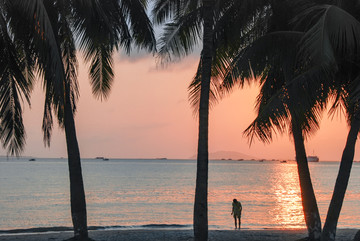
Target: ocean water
160, 193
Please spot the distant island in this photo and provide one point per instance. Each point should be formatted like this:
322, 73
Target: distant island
228, 155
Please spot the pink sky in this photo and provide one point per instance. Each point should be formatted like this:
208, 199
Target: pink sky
148, 116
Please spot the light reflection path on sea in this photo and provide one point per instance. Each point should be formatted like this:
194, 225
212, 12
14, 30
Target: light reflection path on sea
269, 192
287, 210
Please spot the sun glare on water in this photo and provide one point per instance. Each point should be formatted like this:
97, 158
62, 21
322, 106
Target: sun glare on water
287, 210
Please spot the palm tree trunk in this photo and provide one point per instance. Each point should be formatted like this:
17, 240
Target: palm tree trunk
342, 181
357, 236
311, 211
77, 193
201, 190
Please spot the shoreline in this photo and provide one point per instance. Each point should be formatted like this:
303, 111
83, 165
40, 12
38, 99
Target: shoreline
166, 234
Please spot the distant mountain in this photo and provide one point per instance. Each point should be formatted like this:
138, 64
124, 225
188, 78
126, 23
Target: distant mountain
228, 155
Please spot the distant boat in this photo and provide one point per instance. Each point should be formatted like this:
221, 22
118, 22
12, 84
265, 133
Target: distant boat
161, 158
32, 160
283, 161
312, 158
102, 158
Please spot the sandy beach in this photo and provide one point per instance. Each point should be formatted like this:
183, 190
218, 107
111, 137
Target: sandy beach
179, 235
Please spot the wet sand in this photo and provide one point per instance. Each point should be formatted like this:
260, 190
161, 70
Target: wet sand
178, 235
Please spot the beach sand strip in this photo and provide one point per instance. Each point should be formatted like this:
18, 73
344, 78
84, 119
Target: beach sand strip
178, 235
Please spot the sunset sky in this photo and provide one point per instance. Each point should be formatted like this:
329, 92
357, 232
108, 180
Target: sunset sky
148, 116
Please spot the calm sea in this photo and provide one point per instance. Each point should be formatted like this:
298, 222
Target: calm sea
160, 193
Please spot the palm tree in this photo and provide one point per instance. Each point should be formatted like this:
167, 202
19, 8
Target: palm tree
272, 60
100, 27
337, 33
217, 20
332, 44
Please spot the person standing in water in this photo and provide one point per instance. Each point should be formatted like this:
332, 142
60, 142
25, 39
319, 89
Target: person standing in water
236, 212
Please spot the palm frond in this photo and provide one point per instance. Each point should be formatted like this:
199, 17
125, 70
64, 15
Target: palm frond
13, 88
355, 89
335, 34
59, 17
12, 129
68, 51
274, 58
238, 24
166, 9
195, 89
273, 117
310, 92
346, 92
27, 65
277, 105
41, 36
219, 64
141, 27
241, 22
222, 59
104, 26
180, 36
96, 21
47, 124
125, 34
253, 61
101, 27
101, 73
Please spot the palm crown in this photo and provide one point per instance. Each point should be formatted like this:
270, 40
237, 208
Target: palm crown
48, 45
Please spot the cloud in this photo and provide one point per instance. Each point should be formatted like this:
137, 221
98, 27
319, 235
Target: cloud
135, 55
